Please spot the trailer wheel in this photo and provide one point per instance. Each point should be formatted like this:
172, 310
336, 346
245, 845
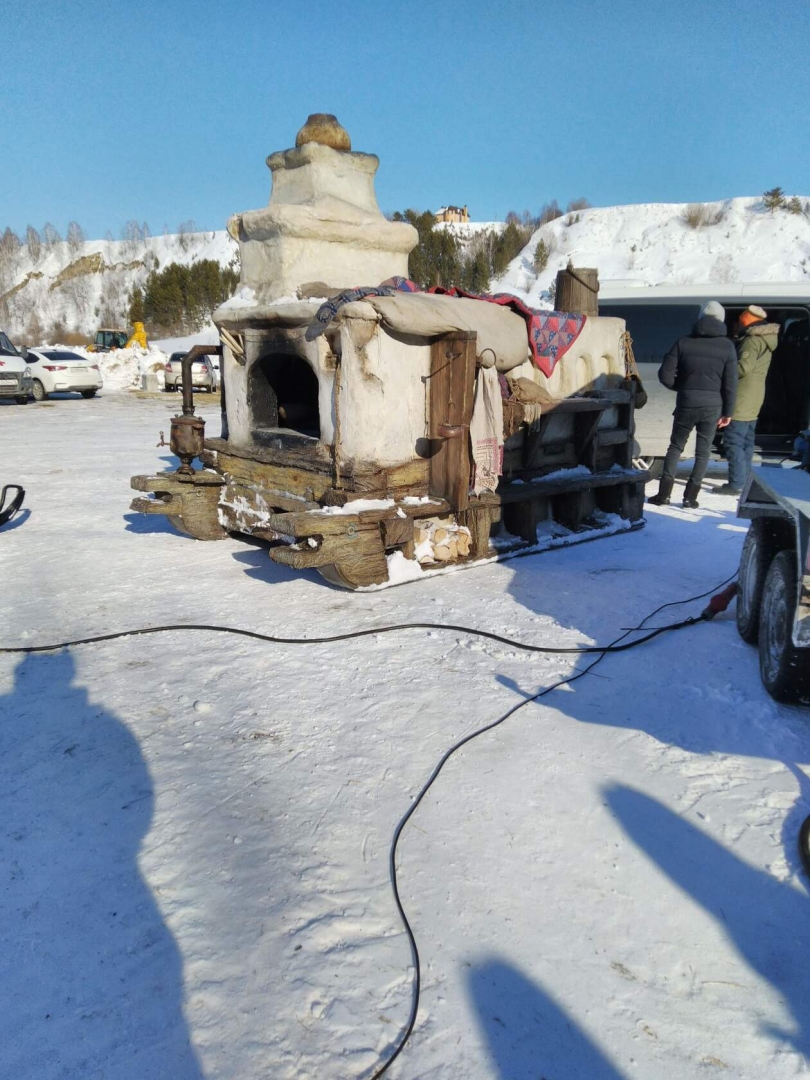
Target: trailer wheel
761, 544
785, 670
653, 465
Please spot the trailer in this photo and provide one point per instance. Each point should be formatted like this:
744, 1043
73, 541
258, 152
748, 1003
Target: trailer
379, 434
773, 599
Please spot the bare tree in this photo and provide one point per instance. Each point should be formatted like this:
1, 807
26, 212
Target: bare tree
76, 236
10, 245
132, 235
112, 311
33, 242
549, 212
108, 236
50, 236
185, 232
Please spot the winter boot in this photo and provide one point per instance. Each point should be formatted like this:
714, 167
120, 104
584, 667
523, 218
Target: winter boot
727, 489
664, 492
690, 494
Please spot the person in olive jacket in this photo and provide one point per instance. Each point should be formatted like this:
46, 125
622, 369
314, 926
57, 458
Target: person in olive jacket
702, 369
756, 342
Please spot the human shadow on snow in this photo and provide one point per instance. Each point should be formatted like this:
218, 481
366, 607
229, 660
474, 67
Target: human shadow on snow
92, 980
528, 1033
767, 920
697, 688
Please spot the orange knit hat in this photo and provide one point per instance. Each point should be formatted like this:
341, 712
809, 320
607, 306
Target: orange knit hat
753, 314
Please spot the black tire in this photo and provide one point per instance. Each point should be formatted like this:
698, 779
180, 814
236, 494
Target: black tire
39, 391
653, 465
88, 393
762, 542
21, 400
804, 845
784, 669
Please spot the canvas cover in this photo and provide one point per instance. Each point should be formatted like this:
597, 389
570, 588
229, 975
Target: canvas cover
502, 341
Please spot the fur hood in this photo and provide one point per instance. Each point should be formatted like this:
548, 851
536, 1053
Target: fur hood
769, 331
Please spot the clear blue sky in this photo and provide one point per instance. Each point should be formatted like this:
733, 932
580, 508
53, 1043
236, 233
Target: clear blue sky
164, 110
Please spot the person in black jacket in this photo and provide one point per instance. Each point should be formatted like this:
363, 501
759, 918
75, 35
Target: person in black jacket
702, 369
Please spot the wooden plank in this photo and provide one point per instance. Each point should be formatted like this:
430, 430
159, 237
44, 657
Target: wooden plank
518, 492
626, 500
604, 400
310, 484
613, 436
397, 531
292, 471
624, 456
313, 457
408, 478
452, 385
585, 425
573, 507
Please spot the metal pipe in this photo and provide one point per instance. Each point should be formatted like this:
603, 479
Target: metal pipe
185, 368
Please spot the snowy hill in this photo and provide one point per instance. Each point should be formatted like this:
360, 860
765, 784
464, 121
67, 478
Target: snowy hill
82, 289
652, 243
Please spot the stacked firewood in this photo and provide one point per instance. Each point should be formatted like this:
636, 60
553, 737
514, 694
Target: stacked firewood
441, 541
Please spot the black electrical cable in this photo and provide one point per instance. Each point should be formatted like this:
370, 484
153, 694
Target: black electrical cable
613, 647
395, 628
804, 845
602, 651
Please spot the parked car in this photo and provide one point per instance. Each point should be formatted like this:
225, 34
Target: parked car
15, 373
657, 315
203, 373
60, 371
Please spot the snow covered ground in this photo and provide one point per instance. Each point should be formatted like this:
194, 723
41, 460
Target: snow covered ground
196, 827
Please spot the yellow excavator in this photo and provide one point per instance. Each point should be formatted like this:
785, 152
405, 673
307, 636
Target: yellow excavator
108, 340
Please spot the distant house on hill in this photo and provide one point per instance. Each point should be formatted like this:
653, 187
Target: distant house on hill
455, 214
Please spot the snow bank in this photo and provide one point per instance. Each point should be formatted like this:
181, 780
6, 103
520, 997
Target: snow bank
651, 244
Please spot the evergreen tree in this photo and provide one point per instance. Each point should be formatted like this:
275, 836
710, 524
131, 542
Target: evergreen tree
181, 299
136, 306
542, 253
774, 199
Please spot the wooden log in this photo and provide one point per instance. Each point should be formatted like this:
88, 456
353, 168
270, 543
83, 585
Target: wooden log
398, 532
452, 384
191, 504
358, 559
479, 517
311, 476
577, 290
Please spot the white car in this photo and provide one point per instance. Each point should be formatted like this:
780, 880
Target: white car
203, 373
60, 371
15, 374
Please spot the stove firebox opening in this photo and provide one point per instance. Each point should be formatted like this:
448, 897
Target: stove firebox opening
284, 395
